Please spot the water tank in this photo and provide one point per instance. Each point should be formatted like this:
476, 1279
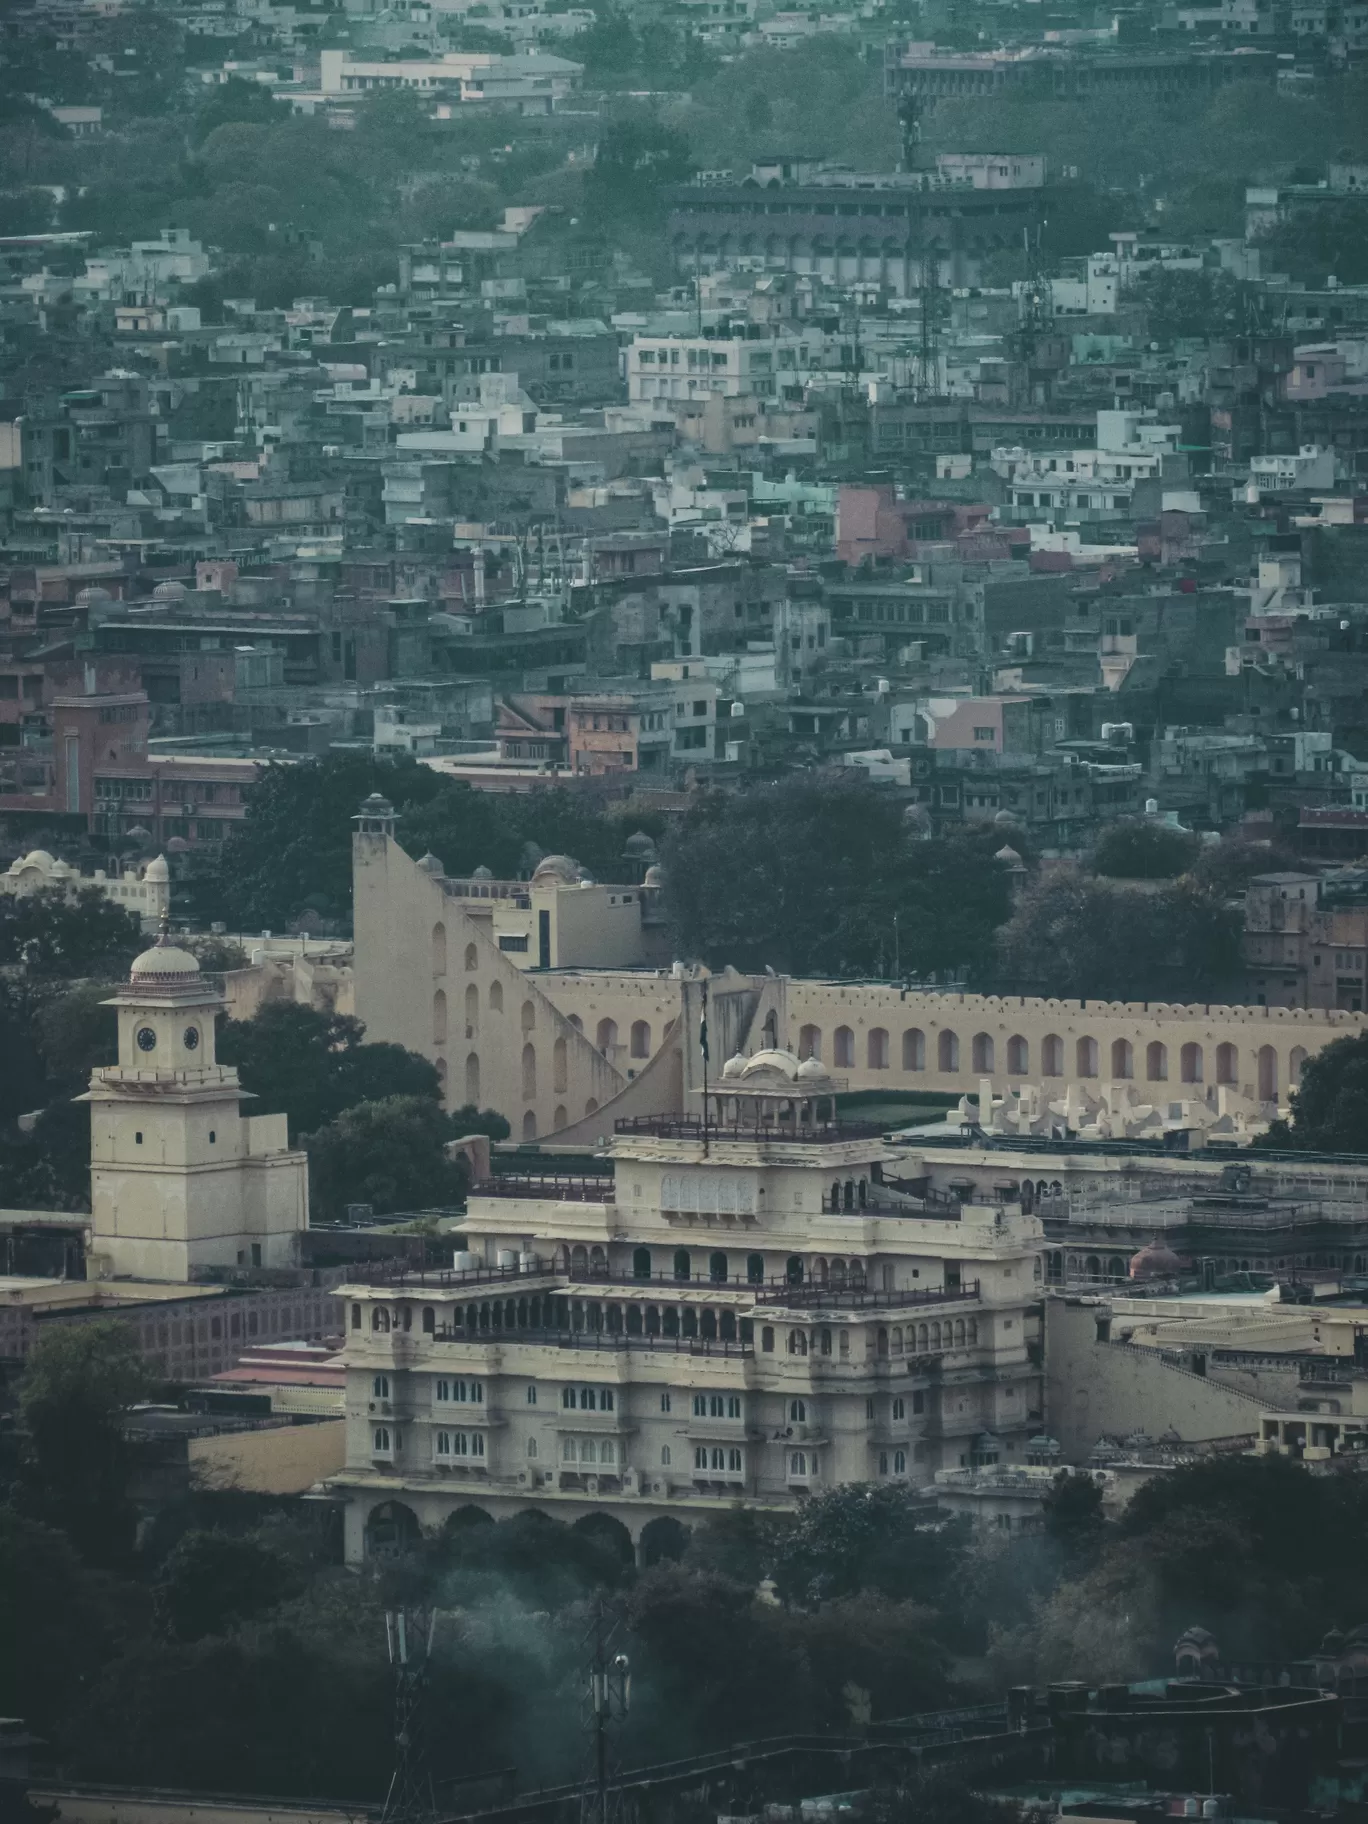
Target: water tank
1190, 1808
1151, 807
507, 1258
1211, 1808
463, 1261
528, 1263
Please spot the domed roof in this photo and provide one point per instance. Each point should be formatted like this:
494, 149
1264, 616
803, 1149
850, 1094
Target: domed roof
734, 1065
1155, 1261
177, 845
654, 876
557, 867
482, 873
164, 966
1009, 855
92, 594
430, 864
37, 858
812, 1070
771, 1063
638, 843
1004, 816
170, 591
157, 869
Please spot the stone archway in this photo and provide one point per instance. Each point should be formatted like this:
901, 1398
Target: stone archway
392, 1529
663, 1539
609, 1532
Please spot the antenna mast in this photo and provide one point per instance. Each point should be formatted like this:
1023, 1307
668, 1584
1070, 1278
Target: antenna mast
608, 1697
409, 1634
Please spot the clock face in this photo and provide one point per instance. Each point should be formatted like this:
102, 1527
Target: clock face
191, 1037
147, 1039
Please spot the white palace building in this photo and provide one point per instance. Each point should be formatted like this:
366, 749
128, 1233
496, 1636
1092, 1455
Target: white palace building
743, 1305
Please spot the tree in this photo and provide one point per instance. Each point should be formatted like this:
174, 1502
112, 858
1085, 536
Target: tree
1072, 1512
292, 851
471, 1120
311, 1066
210, 1581
63, 1620
388, 1154
1075, 936
1137, 849
867, 1536
1192, 304
77, 1383
53, 935
635, 160
809, 875
1329, 240
1330, 1108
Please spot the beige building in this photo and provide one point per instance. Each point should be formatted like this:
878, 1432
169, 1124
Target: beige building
555, 1029
147, 895
182, 1181
749, 1312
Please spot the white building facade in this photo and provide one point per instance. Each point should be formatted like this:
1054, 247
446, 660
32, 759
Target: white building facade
749, 1311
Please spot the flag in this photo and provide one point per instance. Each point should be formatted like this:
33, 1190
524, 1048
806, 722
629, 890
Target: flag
703, 1026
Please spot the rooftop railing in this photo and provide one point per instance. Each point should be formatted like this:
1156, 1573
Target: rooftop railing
693, 1127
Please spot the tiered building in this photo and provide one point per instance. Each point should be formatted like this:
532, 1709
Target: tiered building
744, 1305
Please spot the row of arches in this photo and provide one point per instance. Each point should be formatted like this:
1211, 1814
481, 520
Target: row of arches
1054, 1058
606, 1037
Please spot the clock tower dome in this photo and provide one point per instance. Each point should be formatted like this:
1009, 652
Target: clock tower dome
182, 1184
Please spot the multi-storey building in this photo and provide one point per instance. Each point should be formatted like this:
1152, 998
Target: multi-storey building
744, 1305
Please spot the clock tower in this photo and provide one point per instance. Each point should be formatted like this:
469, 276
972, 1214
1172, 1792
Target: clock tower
182, 1183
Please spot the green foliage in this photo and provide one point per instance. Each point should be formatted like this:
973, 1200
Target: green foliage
76, 1032
313, 1066
56, 936
234, 101
867, 1536
1136, 849
63, 1622
822, 99
808, 875
77, 1383
292, 850
1330, 1107
1330, 240
1079, 937
388, 1154
211, 1581
471, 1120
1193, 304
636, 159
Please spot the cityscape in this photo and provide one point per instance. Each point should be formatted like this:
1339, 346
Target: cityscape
683, 912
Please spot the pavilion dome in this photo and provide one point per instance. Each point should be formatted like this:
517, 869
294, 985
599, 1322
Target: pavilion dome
164, 966
1155, 1261
654, 876
552, 868
734, 1065
157, 869
771, 1063
170, 591
430, 864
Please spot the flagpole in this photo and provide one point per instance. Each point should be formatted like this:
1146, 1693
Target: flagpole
703, 1047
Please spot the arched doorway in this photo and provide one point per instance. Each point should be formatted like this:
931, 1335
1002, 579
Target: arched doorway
391, 1530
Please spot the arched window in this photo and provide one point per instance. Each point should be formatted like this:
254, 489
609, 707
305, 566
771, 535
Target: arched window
472, 1010
641, 1039
843, 1051
607, 1035
529, 1125
914, 1049
1018, 1056
641, 1263
441, 1069
1227, 1064
1156, 1062
439, 1017
717, 1269
683, 1268
1122, 1058
1190, 1061
899, 1462
579, 1259
947, 1051
1085, 1057
793, 1270
439, 948
755, 1269
560, 1117
1268, 1074
577, 1022
529, 1072
472, 957
797, 1342
528, 1016
1295, 1059
1052, 1055
982, 1053
496, 997
472, 1077
591, 1106
876, 1049
797, 1412
558, 1066
810, 1042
